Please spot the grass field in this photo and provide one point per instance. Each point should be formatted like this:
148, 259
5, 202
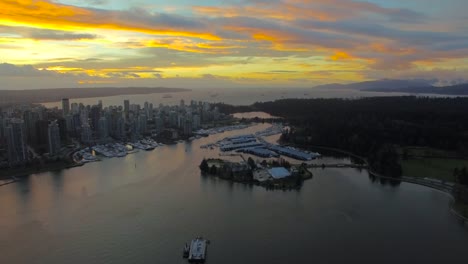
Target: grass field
427, 152
435, 168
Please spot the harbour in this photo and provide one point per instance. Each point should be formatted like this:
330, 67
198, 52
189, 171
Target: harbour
143, 207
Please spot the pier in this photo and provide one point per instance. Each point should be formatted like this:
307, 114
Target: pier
338, 165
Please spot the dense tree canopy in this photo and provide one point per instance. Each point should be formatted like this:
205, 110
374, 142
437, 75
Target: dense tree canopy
372, 127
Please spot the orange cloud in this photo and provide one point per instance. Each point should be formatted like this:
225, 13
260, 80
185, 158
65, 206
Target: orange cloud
185, 45
340, 55
49, 15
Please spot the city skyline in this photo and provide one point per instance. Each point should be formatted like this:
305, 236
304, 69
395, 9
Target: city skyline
35, 130
249, 43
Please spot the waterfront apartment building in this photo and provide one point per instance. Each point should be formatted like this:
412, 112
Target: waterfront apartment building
53, 133
17, 151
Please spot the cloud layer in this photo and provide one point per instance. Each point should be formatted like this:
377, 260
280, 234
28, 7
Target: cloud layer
251, 42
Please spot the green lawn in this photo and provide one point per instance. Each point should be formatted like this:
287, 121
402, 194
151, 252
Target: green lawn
425, 151
441, 169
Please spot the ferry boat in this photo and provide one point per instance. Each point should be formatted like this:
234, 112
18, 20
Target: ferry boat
197, 252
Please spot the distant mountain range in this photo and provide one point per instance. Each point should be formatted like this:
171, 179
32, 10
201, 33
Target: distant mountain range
401, 86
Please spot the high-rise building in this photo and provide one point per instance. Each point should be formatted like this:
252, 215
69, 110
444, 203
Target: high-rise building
84, 117
133, 130
75, 108
159, 122
86, 133
187, 127
216, 113
65, 106
42, 127
2, 127
135, 108
146, 109
119, 130
17, 152
62, 124
95, 115
182, 103
76, 124
196, 121
173, 119
126, 106
30, 118
54, 138
103, 130
150, 112
180, 121
142, 124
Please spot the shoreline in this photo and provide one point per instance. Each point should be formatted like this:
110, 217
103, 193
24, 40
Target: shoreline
25, 172
14, 175
406, 179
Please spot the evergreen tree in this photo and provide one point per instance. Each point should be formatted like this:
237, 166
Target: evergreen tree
251, 163
213, 170
204, 167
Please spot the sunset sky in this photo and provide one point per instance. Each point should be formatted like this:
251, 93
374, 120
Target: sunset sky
243, 43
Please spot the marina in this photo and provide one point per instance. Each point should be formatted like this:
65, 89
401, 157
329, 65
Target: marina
255, 144
113, 150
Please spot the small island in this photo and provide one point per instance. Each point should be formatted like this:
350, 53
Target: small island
276, 174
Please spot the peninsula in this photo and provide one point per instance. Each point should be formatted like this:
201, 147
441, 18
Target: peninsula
272, 174
403, 137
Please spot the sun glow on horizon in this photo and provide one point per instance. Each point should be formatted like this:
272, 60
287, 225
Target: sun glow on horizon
286, 42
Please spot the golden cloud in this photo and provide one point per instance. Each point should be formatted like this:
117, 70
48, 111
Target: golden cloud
49, 15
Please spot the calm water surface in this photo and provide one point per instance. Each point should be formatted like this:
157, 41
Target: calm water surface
243, 96
144, 207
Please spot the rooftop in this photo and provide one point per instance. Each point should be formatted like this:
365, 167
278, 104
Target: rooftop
279, 172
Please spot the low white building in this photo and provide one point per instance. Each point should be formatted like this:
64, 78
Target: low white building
279, 173
276, 173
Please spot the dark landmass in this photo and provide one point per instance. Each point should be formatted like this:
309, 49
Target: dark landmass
12, 97
378, 84
244, 172
372, 127
386, 131
460, 89
401, 86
